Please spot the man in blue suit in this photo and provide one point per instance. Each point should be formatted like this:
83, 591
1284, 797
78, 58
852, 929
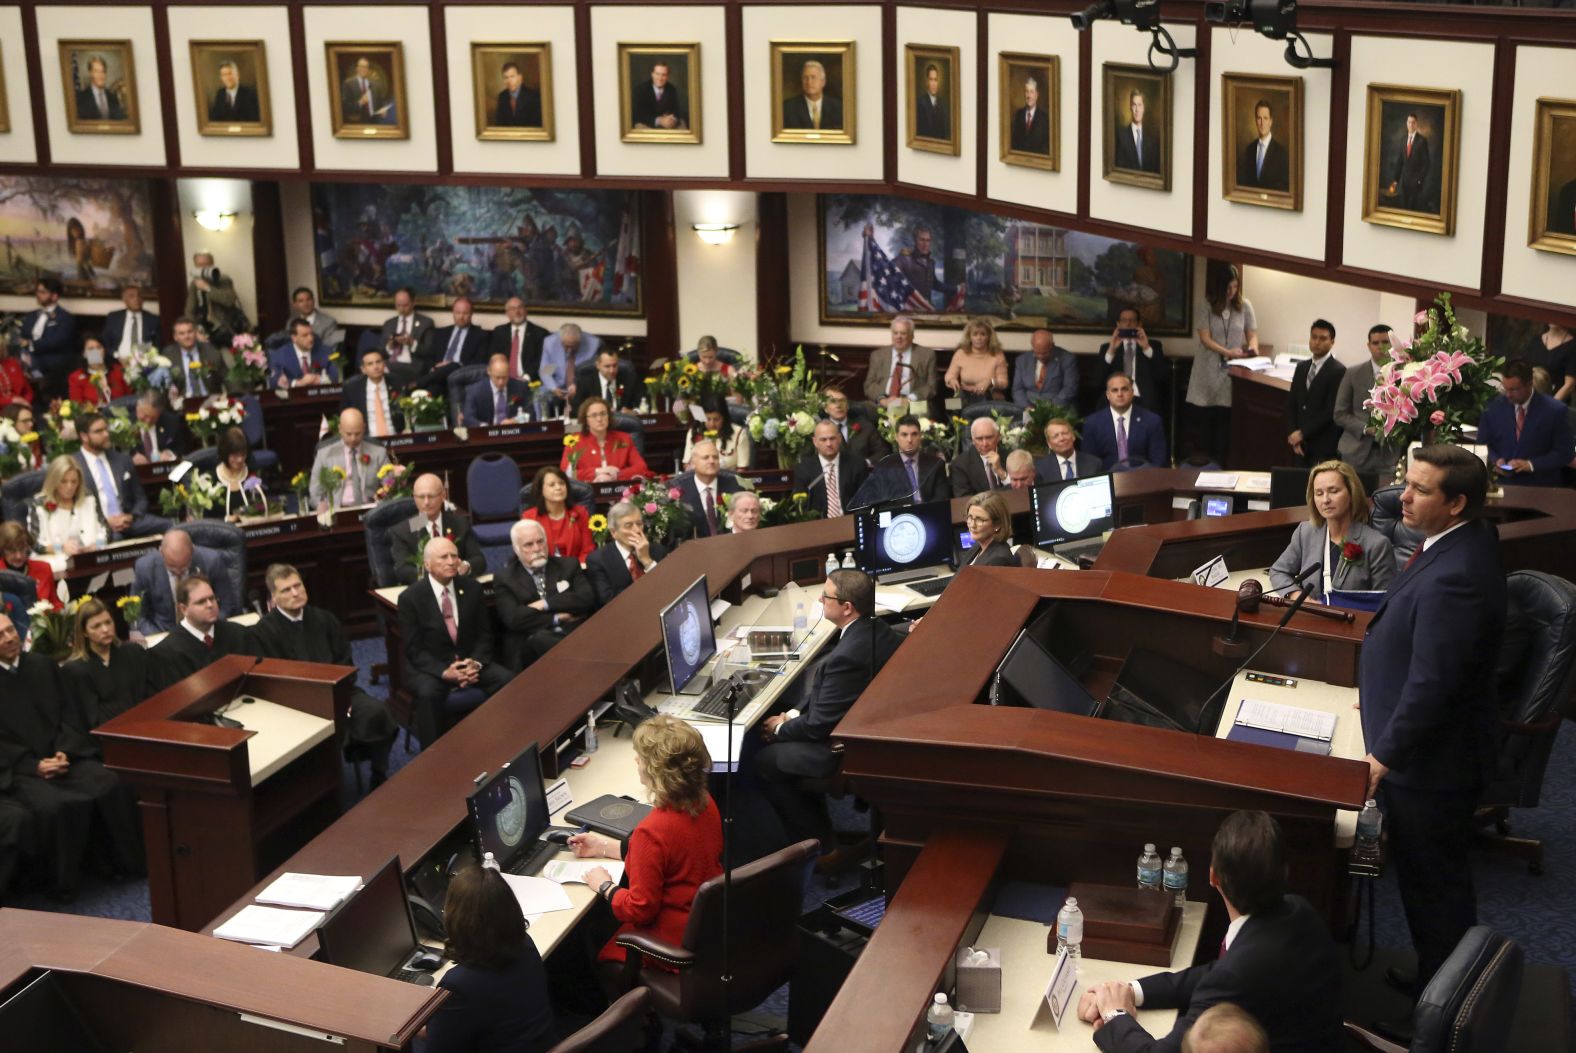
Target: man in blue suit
303, 361
131, 325
1124, 434
1426, 679
50, 332
497, 398
158, 574
1528, 433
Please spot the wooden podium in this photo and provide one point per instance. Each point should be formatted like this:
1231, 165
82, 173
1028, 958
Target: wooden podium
221, 805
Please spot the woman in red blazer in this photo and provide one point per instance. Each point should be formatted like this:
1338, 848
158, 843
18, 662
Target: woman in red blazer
599, 454
16, 546
567, 526
93, 383
13, 381
673, 851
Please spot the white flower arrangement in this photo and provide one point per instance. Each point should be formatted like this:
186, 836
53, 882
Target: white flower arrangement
145, 367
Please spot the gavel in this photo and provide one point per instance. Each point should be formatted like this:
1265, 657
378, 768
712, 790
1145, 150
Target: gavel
1250, 594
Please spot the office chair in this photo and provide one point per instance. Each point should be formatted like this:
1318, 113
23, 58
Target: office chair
977, 410
1386, 518
724, 354
457, 382
17, 492
229, 541
620, 1029
376, 526
1469, 1004
15, 583
204, 458
631, 425
263, 459
492, 482
580, 493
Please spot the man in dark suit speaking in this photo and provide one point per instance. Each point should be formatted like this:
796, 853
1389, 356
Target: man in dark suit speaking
518, 106
1137, 147
1263, 164
1409, 171
234, 101
1426, 680
813, 108
1031, 125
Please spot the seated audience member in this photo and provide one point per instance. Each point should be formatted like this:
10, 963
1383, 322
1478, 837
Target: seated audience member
14, 386
564, 354
20, 414
990, 525
706, 488
860, 438
453, 346
1122, 433
1528, 434
829, 473
1278, 962
744, 512
674, 850
100, 380
196, 366
160, 434
50, 333
432, 520
1021, 472
212, 302
373, 394
708, 357
295, 630
243, 490
104, 675
610, 379
599, 453
519, 340
46, 764
111, 479
131, 325
978, 371
1063, 460
200, 636
1046, 374
613, 567
1131, 353
567, 526
498, 998
301, 361
448, 639
16, 546
1337, 537
540, 597
733, 442
326, 330
406, 336
912, 469
497, 398
63, 516
979, 467
351, 453
798, 743
901, 372
157, 575
1225, 1028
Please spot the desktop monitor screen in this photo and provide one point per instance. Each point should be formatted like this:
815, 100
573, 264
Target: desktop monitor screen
509, 811
1072, 509
1216, 505
896, 539
687, 637
1171, 690
1030, 676
373, 931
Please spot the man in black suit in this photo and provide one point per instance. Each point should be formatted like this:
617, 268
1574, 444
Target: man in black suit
1310, 411
1063, 460
518, 106
406, 335
131, 325
910, 471
97, 102
161, 434
444, 622
200, 636
932, 110
656, 103
1409, 171
705, 487
1426, 683
1263, 163
1137, 147
613, 567
234, 102
539, 597
979, 468
813, 108
1142, 360
861, 437
829, 473
1278, 962
452, 346
432, 522
374, 394
49, 335
519, 340
797, 741
608, 378
1031, 124
496, 398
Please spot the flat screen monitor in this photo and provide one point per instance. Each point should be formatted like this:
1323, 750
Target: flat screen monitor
890, 540
1030, 676
1172, 690
687, 638
42, 1019
373, 931
1216, 505
509, 811
1072, 509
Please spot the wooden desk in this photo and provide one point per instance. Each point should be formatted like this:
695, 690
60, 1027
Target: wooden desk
1258, 421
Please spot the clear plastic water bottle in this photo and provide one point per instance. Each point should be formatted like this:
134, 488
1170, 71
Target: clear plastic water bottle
831, 563
1365, 849
1149, 869
801, 621
938, 1018
591, 739
848, 560
1176, 876
1069, 929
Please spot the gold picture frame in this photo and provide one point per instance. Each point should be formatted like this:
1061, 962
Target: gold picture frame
1552, 211
1258, 107
1143, 160
1026, 139
930, 126
369, 102
523, 112
675, 116
794, 114
5, 102
1412, 147
242, 110
118, 86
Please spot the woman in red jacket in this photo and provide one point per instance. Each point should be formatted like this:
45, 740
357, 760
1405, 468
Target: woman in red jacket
16, 549
674, 849
97, 383
567, 526
598, 454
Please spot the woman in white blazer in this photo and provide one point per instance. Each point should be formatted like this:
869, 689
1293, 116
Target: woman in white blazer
64, 517
1337, 537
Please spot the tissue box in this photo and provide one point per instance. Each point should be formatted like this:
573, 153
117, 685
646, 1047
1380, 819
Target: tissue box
979, 986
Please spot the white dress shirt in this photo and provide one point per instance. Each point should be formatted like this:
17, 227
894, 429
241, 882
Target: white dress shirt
1429, 541
439, 591
903, 366
198, 633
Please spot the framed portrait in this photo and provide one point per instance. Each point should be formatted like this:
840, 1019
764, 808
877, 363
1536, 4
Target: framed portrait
100, 87
1261, 140
1410, 158
1031, 110
813, 91
5, 104
1137, 148
230, 86
933, 110
366, 84
513, 88
659, 93
1553, 208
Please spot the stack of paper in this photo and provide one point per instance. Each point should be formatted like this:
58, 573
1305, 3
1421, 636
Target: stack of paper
310, 891
1216, 481
537, 896
1289, 720
270, 926
565, 871
716, 737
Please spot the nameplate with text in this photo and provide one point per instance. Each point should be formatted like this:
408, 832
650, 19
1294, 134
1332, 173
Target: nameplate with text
421, 438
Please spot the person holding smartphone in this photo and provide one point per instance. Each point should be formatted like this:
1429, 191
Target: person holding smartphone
1528, 434
1131, 352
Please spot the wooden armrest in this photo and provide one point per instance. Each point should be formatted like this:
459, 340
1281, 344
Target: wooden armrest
665, 953
1371, 1040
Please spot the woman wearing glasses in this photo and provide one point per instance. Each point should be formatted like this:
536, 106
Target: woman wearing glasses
990, 525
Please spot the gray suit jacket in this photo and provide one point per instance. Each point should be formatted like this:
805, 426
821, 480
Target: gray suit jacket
1375, 570
879, 373
213, 367
151, 581
325, 327
1357, 448
363, 478
421, 328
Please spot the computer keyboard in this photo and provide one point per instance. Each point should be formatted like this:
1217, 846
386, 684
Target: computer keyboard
414, 976
930, 586
530, 863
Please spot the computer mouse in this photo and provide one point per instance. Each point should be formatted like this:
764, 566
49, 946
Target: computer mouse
557, 837
426, 961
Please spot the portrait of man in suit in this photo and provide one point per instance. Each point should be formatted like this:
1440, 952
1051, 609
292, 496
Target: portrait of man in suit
1138, 119
1411, 158
932, 98
662, 93
1553, 206
370, 84
1263, 141
231, 79
812, 85
1409, 170
101, 90
513, 91
1030, 104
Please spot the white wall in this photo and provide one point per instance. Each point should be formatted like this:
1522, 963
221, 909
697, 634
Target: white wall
716, 282
1530, 273
17, 145
232, 249
409, 25
100, 23
936, 26
1034, 187
271, 25
1287, 304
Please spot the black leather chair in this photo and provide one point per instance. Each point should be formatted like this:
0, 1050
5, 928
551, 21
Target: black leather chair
18, 492
1386, 518
376, 527
763, 945
1469, 1004
984, 409
18, 584
230, 541
580, 493
631, 424
458, 381
204, 459
724, 354
620, 1029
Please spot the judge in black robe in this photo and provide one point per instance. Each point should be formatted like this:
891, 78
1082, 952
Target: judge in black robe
182, 653
100, 690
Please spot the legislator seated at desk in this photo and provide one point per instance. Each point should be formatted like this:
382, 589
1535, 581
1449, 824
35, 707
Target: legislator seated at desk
990, 528
1062, 459
199, 637
539, 597
829, 473
351, 453
613, 567
496, 398
910, 472
704, 489
1122, 434
1337, 537
157, 574
432, 520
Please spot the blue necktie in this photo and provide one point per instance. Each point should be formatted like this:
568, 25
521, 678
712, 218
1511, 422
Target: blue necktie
1258, 169
1067, 469
499, 409
106, 486
913, 476
454, 345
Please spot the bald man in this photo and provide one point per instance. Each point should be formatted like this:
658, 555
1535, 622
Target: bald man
433, 520
1226, 1028
497, 398
446, 627
352, 454
158, 574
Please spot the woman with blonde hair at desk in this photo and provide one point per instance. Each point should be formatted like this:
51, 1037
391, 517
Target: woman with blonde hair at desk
64, 517
674, 849
990, 525
1354, 555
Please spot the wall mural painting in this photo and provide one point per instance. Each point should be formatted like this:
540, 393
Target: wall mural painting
882, 256
562, 250
95, 235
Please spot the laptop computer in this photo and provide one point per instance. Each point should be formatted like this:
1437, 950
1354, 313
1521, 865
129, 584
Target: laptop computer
509, 816
373, 931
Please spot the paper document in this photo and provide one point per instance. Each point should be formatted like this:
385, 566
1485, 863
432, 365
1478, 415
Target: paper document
715, 736
1289, 720
538, 895
1257, 363
1258, 482
1216, 481
565, 871
892, 601
270, 926
311, 891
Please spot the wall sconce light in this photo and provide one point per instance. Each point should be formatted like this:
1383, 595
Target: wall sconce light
214, 220
715, 233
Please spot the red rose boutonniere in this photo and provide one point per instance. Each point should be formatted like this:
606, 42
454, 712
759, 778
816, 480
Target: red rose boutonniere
1351, 552
854, 427
366, 459
50, 506
448, 535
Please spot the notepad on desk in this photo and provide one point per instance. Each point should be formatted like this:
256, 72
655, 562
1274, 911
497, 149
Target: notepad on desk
309, 891
270, 926
1288, 720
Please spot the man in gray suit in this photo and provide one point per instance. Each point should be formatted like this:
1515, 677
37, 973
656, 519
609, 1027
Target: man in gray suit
352, 454
915, 369
405, 337
1358, 445
326, 329
196, 366
157, 574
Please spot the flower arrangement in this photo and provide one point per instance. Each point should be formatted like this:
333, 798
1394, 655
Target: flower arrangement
249, 368
600, 533
49, 630
572, 444
394, 480
661, 505
215, 415
1013, 432
331, 480
130, 608
787, 401
795, 508
191, 498
122, 428
1038, 416
15, 449
938, 436
678, 379
145, 368
423, 409
298, 486
58, 427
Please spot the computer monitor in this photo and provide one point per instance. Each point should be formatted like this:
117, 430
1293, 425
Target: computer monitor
1169, 689
372, 932
1072, 509
509, 811
1216, 505
891, 540
43, 1019
1030, 676
688, 641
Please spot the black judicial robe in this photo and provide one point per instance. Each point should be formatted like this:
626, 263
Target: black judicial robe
180, 654
100, 690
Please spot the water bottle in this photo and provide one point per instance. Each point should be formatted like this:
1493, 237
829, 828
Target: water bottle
591, 742
831, 563
801, 621
1369, 821
1176, 876
848, 560
938, 1018
1149, 869
1069, 929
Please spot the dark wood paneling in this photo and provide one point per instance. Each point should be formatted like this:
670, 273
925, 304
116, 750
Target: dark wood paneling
441, 124
35, 84
659, 274
771, 275
268, 252
300, 64
169, 252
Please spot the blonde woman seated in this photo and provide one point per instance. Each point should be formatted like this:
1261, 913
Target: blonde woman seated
64, 517
1353, 555
990, 525
979, 366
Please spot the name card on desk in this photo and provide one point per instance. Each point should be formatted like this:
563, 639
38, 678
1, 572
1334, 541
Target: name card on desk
505, 431
101, 557
1062, 989
420, 438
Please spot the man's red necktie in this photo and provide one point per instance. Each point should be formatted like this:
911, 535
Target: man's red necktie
635, 569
